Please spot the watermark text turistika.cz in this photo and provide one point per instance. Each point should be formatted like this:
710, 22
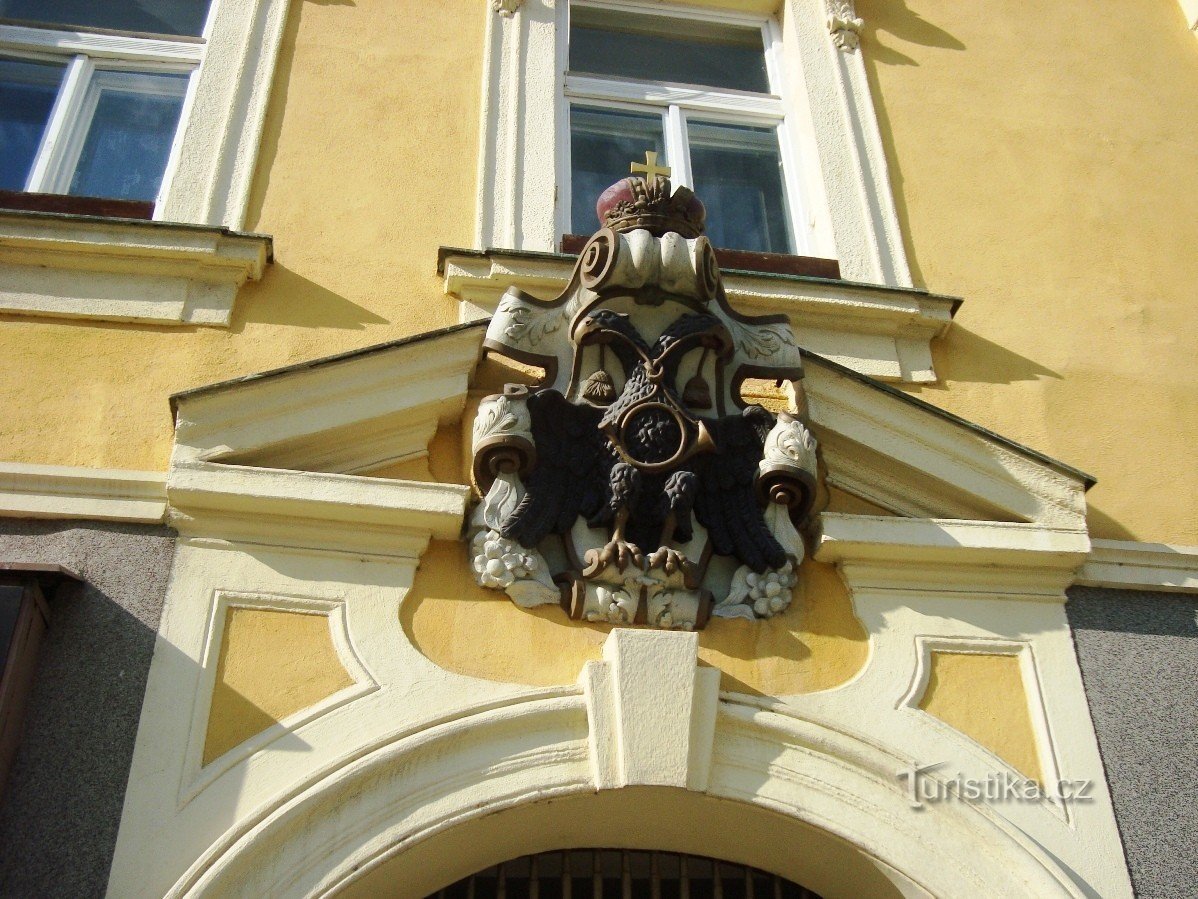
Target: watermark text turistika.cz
997, 787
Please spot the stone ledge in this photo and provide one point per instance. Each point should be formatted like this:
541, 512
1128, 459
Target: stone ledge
66, 491
883, 332
77, 266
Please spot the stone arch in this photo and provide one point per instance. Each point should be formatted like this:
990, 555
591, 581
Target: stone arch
787, 795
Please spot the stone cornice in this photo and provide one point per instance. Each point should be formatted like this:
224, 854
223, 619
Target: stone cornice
969, 558
883, 332
311, 510
78, 266
68, 491
1128, 564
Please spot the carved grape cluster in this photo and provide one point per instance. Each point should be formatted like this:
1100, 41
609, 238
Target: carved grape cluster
499, 562
769, 592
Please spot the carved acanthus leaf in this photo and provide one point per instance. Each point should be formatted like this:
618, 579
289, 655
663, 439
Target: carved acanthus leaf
844, 24
506, 7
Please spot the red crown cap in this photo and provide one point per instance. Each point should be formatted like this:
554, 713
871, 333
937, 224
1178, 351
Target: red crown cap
633, 203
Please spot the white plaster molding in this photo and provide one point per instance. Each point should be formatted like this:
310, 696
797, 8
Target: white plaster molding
1023, 651
197, 775
882, 332
1129, 564
211, 169
1190, 9
830, 118
414, 788
844, 25
912, 459
69, 491
123, 270
506, 7
345, 414
312, 510
967, 558
651, 710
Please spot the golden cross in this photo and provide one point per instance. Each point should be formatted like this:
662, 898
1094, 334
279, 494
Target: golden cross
650, 167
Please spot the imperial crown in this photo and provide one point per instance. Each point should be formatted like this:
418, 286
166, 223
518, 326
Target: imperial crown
647, 203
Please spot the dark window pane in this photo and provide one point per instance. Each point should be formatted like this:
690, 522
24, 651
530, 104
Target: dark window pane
737, 172
130, 135
155, 16
603, 145
660, 49
27, 92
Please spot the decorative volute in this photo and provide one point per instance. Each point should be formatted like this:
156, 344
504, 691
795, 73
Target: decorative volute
634, 485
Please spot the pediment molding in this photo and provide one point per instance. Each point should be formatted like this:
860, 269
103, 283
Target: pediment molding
917, 461
345, 414
880, 331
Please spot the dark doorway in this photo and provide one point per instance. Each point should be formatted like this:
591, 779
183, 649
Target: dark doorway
621, 874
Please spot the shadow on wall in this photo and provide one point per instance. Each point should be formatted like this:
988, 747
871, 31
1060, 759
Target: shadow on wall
284, 297
885, 20
962, 355
268, 148
62, 806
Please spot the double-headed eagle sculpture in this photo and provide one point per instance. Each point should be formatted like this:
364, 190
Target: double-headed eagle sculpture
633, 484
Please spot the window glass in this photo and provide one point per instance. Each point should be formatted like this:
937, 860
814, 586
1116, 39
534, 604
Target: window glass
130, 135
154, 16
603, 144
737, 171
27, 92
658, 49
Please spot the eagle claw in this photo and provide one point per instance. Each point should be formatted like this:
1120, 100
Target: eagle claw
669, 560
621, 554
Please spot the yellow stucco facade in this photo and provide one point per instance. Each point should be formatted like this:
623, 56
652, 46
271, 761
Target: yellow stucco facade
1061, 215
1043, 167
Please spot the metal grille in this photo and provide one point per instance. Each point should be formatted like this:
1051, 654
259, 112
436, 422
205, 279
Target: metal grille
621, 874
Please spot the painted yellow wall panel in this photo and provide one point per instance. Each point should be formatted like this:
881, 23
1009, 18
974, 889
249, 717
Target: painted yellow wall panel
271, 665
1044, 166
815, 645
984, 697
367, 164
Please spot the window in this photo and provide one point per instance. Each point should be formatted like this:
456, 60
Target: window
704, 93
818, 109
113, 110
91, 94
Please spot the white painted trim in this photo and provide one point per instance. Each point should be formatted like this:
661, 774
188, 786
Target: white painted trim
308, 510
67, 491
197, 775
885, 333
208, 179
651, 710
99, 46
911, 460
122, 270
1023, 651
849, 209
344, 415
1190, 9
1129, 564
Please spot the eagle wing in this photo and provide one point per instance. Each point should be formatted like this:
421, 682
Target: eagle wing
571, 472
726, 503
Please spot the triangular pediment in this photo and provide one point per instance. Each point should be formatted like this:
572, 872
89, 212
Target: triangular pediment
359, 412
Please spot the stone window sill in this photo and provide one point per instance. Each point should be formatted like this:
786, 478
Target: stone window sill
118, 269
883, 332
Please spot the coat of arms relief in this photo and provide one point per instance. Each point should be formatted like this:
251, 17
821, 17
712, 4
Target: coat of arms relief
633, 485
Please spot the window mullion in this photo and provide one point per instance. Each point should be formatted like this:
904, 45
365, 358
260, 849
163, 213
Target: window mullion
46, 174
677, 148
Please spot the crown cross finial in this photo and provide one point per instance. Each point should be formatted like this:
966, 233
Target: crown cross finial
649, 168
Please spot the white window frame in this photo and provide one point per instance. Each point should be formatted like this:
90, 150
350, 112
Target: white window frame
845, 193
208, 172
677, 102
